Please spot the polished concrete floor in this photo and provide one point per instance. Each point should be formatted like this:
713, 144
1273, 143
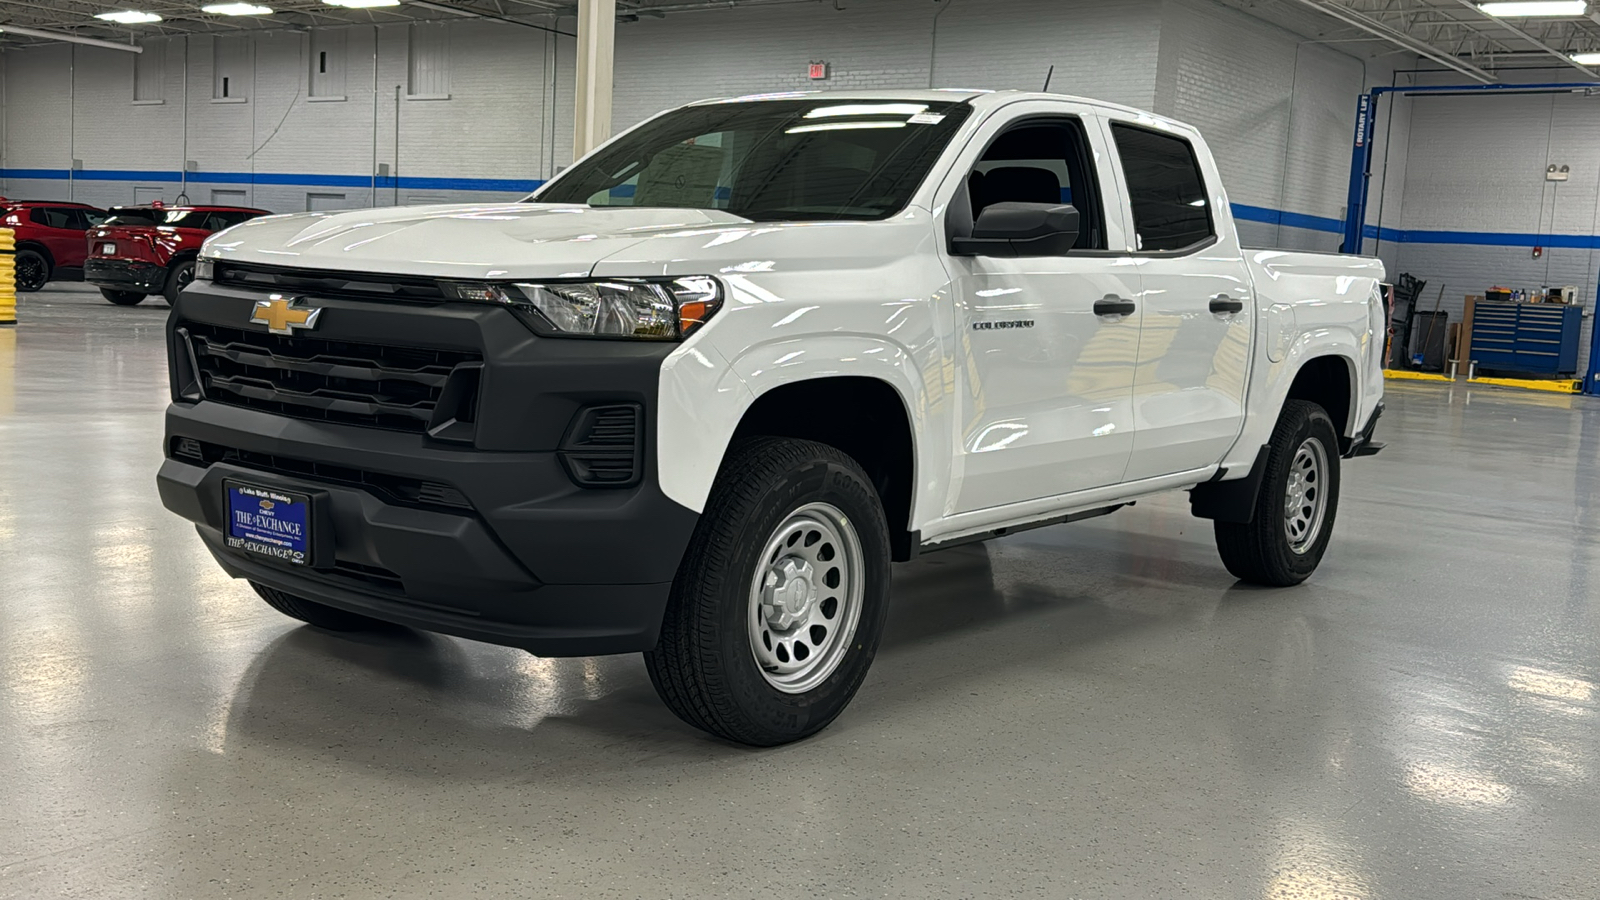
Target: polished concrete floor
1092, 711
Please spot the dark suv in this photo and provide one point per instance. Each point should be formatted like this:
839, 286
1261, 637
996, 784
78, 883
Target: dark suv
49, 239
144, 250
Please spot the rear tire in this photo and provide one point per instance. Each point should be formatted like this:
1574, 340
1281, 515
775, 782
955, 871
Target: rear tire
317, 614
1284, 540
780, 601
182, 273
32, 271
122, 298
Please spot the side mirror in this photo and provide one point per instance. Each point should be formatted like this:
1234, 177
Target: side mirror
1020, 229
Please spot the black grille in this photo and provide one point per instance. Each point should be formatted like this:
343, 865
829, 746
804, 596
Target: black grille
329, 284
604, 446
391, 488
396, 388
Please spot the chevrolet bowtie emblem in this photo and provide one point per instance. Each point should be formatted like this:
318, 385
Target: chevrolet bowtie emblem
281, 316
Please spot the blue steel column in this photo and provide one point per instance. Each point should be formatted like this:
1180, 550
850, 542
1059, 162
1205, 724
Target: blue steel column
1355, 210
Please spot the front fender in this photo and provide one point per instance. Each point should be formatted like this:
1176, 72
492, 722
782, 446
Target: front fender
703, 397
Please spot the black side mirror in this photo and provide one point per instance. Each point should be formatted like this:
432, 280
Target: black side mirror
1020, 229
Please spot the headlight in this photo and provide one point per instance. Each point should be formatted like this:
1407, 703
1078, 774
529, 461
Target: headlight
204, 268
617, 308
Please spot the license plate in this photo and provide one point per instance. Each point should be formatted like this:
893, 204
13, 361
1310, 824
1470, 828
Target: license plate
108, 249
268, 522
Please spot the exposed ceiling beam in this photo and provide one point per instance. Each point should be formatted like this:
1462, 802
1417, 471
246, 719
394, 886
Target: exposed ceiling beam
1400, 38
1469, 4
69, 38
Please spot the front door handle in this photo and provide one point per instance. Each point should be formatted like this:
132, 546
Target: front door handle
1113, 305
1222, 303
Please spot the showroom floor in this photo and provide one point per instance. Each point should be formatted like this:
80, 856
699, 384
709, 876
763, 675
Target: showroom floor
1091, 710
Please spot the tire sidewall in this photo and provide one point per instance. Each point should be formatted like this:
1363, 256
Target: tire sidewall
781, 714
175, 282
1313, 424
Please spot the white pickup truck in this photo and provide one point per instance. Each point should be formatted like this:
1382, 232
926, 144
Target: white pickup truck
695, 395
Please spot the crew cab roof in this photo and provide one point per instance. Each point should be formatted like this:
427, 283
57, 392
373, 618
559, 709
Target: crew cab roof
981, 100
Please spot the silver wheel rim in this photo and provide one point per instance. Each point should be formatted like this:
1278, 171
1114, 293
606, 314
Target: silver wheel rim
805, 599
1305, 501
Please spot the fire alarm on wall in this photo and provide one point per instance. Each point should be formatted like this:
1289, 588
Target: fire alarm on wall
817, 71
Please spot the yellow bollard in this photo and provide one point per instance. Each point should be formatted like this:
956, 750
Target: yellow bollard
8, 276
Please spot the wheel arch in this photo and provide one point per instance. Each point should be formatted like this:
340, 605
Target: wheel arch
1328, 380
865, 418
40, 249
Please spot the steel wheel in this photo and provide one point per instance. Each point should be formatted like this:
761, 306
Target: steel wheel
1305, 500
806, 597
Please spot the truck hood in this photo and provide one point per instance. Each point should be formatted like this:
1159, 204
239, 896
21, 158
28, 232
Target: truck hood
509, 240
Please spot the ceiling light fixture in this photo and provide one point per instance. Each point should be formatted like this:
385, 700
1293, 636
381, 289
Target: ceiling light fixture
361, 4
129, 17
1528, 9
1586, 59
237, 9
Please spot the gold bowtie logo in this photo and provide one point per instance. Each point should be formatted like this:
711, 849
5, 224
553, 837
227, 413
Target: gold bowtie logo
281, 316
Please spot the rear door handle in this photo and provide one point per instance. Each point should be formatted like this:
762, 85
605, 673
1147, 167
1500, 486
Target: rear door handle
1113, 305
1222, 303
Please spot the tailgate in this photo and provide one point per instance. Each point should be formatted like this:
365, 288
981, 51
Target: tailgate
121, 242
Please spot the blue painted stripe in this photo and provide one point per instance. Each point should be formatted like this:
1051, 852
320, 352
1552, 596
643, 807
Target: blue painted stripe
507, 185
1241, 211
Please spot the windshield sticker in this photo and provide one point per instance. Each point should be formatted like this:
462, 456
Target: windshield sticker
926, 118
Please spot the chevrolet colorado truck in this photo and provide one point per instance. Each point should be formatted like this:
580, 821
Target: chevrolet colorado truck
696, 394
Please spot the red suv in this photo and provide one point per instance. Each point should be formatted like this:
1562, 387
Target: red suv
49, 239
144, 250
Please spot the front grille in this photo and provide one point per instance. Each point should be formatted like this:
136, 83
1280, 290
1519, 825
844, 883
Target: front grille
356, 286
393, 489
379, 386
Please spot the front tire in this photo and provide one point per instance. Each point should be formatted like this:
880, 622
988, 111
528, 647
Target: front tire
780, 602
32, 271
1284, 540
312, 613
182, 273
122, 298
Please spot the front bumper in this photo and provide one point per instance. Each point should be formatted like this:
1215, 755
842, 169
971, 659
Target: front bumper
503, 547
126, 275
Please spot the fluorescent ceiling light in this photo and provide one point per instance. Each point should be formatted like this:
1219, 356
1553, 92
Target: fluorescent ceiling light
843, 126
868, 109
237, 9
361, 4
1526, 9
129, 17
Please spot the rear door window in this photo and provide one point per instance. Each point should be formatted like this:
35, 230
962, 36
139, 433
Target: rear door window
1171, 209
52, 217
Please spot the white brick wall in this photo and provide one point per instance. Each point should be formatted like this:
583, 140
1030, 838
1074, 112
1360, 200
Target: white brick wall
1229, 73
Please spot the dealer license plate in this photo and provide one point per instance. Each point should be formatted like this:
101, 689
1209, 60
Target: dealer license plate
108, 249
268, 522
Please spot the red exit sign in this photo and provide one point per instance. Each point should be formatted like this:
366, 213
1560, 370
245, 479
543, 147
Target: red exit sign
817, 71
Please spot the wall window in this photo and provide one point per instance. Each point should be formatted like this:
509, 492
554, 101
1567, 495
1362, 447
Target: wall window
230, 68
316, 202
1171, 209
225, 197
327, 63
428, 62
150, 71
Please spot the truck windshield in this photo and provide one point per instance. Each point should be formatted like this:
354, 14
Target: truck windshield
773, 160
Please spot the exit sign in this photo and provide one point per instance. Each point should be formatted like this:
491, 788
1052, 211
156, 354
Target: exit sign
817, 71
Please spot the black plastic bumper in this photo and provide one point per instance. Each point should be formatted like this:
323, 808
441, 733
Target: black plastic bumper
520, 555
126, 275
